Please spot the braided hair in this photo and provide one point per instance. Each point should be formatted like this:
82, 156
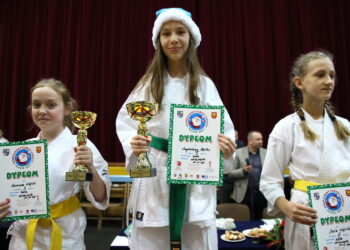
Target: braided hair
299, 70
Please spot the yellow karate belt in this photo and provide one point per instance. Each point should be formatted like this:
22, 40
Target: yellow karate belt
302, 185
58, 210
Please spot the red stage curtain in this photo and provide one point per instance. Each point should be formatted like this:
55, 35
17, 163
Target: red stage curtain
101, 48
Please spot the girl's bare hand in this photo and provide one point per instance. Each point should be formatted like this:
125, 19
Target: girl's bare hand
4, 208
298, 212
83, 155
227, 146
140, 144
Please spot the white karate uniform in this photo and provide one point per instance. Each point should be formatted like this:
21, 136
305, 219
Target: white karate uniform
327, 160
60, 160
150, 196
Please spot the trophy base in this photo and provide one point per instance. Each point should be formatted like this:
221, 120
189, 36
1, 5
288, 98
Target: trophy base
143, 172
78, 176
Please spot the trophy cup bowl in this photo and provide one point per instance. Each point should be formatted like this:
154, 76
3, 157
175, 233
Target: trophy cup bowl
81, 120
142, 112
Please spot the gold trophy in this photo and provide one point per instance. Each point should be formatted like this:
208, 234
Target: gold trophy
142, 112
82, 120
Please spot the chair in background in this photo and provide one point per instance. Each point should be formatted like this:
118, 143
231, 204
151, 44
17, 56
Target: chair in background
118, 202
91, 212
278, 215
239, 212
118, 199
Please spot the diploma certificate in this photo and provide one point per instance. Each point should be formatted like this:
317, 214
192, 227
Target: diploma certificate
193, 148
24, 179
332, 202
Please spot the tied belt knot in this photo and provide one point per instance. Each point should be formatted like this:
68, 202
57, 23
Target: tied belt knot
57, 211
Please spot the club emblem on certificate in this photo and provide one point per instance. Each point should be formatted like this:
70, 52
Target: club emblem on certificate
332, 202
24, 179
194, 153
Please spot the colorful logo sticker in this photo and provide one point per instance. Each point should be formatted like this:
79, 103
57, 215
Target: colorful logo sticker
347, 192
317, 196
23, 157
196, 121
6, 151
214, 115
333, 201
38, 149
180, 113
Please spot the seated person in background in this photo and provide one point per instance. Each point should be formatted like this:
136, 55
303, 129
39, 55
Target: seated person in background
246, 172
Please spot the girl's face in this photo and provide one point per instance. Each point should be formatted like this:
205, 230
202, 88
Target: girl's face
48, 110
174, 39
317, 84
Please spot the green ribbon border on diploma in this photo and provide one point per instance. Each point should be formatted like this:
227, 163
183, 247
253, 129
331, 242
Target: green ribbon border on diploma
218, 108
44, 151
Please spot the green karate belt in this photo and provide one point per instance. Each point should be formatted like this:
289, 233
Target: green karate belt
177, 200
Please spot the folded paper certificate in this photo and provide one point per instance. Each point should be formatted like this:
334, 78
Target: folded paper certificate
194, 153
24, 179
332, 202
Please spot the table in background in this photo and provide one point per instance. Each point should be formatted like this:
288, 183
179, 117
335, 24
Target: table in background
248, 243
120, 178
223, 245
117, 172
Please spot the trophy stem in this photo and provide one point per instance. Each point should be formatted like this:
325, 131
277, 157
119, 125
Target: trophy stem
81, 137
142, 128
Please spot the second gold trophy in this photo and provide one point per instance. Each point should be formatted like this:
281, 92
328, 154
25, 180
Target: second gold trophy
82, 120
142, 112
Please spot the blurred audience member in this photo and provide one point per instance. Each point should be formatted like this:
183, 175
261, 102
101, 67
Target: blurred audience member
246, 172
240, 144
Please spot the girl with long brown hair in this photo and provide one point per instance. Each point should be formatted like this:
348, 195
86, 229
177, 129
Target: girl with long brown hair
173, 77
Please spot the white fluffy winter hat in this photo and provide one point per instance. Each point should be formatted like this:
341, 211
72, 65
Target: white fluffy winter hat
175, 14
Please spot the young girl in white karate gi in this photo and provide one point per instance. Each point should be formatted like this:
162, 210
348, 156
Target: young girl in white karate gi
174, 76
312, 142
51, 106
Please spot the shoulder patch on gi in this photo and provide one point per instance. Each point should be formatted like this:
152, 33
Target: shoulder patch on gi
139, 215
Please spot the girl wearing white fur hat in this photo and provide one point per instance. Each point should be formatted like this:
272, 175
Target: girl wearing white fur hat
174, 76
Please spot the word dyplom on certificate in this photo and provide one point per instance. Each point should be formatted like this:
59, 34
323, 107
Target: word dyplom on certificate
24, 179
332, 202
194, 153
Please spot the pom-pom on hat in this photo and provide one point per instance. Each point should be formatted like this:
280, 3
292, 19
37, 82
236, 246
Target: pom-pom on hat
175, 14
